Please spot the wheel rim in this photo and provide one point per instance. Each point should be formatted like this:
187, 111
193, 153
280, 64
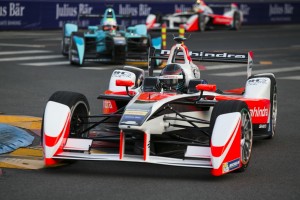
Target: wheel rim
246, 137
78, 121
202, 24
237, 23
274, 111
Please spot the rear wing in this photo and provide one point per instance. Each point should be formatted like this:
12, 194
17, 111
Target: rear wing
202, 56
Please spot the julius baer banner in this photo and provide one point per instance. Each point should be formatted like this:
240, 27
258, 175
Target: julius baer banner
24, 14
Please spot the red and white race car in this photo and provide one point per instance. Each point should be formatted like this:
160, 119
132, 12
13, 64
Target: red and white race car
175, 118
202, 17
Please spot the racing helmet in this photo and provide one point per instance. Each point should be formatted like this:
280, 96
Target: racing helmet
172, 78
109, 25
200, 2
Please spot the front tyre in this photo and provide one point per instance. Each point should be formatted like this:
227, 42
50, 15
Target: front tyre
80, 110
224, 107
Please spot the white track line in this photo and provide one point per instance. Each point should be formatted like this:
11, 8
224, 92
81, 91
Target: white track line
41, 64
22, 45
49, 39
290, 78
30, 58
286, 69
23, 52
98, 68
229, 66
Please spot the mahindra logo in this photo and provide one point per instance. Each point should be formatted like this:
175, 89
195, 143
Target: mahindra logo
259, 112
207, 54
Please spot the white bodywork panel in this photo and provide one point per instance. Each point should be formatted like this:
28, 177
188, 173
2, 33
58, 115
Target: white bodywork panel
224, 131
258, 88
198, 152
120, 75
78, 144
134, 158
56, 118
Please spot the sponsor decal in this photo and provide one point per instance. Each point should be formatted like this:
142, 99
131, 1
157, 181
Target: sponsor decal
85, 8
107, 104
139, 10
285, 9
136, 112
262, 126
182, 8
12, 10
245, 9
119, 40
207, 54
65, 11
133, 117
231, 165
68, 11
257, 81
281, 12
259, 112
122, 74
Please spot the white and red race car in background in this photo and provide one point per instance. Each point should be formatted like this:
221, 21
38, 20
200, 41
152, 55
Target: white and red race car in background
175, 118
200, 18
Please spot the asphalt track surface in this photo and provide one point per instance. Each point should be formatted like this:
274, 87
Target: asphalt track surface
31, 69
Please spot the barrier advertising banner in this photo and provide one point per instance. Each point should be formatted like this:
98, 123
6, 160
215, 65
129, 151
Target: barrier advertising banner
24, 15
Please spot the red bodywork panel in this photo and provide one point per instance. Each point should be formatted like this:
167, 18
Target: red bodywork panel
110, 106
221, 20
259, 108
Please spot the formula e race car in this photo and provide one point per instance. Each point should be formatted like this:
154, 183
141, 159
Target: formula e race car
106, 42
175, 118
200, 18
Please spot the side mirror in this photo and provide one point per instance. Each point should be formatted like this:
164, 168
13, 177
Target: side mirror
206, 87
126, 83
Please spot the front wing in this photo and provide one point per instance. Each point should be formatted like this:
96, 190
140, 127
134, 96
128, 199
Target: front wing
223, 150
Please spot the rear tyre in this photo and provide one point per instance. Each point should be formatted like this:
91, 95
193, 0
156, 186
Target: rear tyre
236, 21
119, 54
201, 22
80, 110
64, 46
224, 107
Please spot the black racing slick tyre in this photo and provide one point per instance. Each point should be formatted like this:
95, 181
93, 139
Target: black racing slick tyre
236, 21
80, 110
119, 54
64, 46
201, 22
224, 107
269, 132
